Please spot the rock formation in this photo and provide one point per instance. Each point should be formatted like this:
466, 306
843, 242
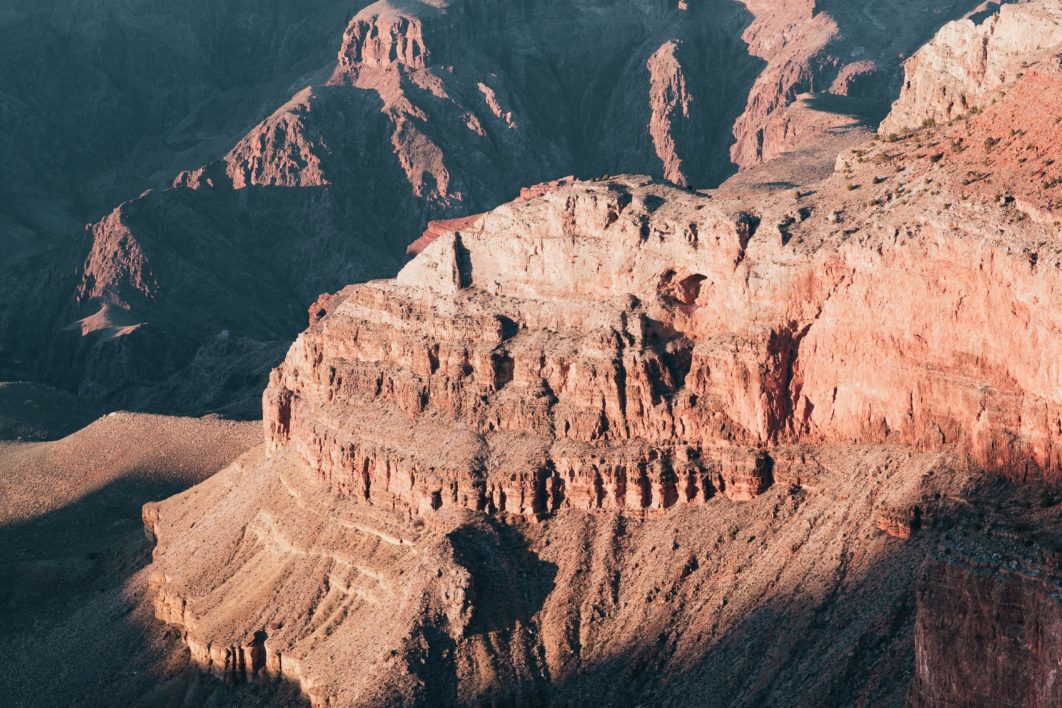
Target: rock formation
621, 440
844, 50
427, 111
793, 439
632, 346
966, 62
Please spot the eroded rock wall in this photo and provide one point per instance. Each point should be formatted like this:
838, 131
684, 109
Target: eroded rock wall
625, 345
965, 62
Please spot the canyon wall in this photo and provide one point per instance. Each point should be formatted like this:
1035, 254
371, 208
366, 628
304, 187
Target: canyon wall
987, 635
625, 345
620, 441
427, 111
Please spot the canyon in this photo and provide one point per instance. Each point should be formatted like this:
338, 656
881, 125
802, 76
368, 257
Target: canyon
623, 441
648, 353
262, 171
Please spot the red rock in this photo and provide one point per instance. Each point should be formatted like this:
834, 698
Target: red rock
899, 522
698, 341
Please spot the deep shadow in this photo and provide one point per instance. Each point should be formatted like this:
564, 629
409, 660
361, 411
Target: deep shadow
868, 112
511, 582
76, 614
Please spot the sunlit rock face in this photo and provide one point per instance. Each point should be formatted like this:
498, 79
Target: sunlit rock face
965, 62
623, 345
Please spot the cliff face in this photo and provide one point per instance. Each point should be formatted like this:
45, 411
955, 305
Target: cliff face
967, 62
632, 346
986, 636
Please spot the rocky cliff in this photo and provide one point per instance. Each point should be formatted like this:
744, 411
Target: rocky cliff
675, 339
624, 441
967, 62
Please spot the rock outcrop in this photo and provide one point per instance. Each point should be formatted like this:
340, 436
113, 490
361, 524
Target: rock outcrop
361, 606
966, 63
622, 345
901, 523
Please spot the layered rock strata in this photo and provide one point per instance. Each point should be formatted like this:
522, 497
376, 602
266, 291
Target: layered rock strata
735, 603
624, 345
757, 392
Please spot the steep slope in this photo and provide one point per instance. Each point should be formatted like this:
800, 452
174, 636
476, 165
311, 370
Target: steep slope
78, 630
625, 442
